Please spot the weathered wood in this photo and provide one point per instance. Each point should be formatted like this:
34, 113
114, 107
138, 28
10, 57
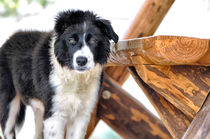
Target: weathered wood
126, 115
200, 126
161, 50
186, 87
146, 22
174, 120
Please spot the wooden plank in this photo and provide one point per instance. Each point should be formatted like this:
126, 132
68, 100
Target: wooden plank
200, 126
174, 120
186, 87
126, 115
161, 50
146, 22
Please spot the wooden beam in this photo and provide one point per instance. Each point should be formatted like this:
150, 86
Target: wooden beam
161, 50
174, 120
200, 126
146, 22
126, 115
186, 87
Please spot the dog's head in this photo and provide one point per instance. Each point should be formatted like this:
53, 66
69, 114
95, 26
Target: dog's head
82, 40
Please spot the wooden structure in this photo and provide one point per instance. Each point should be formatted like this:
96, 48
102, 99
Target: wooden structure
173, 72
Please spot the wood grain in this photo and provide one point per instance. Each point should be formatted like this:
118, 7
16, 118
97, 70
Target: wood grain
128, 117
161, 50
200, 126
174, 120
186, 87
145, 23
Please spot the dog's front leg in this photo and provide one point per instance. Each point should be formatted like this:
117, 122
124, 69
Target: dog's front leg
38, 108
77, 128
54, 128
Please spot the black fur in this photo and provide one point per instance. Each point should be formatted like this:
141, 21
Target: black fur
25, 63
69, 18
67, 22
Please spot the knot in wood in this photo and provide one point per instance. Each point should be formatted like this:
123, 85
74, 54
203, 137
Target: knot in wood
106, 94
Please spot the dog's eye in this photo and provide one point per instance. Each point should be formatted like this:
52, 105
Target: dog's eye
72, 41
92, 41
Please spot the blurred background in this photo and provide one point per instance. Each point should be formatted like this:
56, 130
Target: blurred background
185, 18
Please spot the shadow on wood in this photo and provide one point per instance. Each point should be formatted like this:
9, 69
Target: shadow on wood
126, 115
200, 126
174, 120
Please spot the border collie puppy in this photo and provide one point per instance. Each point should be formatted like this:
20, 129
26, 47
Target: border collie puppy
57, 73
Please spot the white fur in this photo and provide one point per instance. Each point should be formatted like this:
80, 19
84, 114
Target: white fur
38, 108
13, 111
84, 52
77, 128
1, 133
54, 128
74, 100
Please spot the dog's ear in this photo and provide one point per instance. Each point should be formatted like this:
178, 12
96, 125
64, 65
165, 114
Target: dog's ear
61, 22
107, 29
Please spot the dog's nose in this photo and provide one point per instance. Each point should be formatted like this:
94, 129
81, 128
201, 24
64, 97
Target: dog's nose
81, 60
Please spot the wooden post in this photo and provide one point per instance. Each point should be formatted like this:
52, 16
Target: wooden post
200, 126
127, 116
174, 120
146, 22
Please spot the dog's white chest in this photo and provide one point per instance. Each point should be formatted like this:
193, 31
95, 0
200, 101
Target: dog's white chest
71, 99
75, 94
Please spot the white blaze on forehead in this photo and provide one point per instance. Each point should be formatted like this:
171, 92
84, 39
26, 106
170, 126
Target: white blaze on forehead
84, 27
84, 52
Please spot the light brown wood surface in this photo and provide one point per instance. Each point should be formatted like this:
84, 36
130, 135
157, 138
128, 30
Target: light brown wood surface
145, 23
175, 121
186, 87
161, 50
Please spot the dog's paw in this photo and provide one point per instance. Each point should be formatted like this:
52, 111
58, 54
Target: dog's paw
53, 129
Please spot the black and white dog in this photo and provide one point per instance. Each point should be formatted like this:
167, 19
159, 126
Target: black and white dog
57, 73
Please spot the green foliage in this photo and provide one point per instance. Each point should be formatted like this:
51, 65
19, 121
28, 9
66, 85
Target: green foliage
10, 7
